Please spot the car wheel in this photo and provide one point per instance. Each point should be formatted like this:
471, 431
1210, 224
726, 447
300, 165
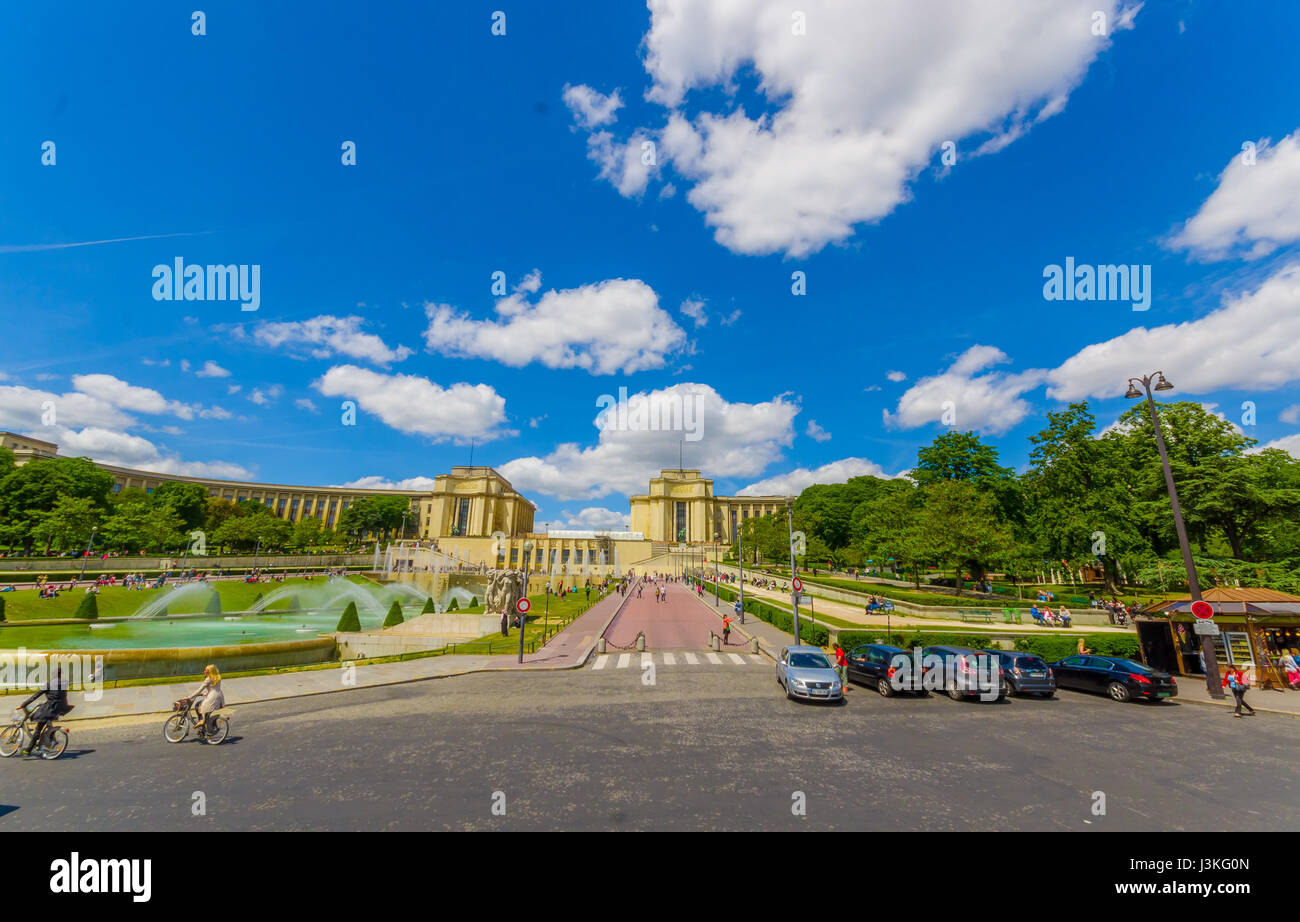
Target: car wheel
1008, 690
954, 692
1046, 695
1119, 691
886, 690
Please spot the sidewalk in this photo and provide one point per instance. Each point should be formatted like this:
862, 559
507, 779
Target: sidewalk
770, 639
567, 650
1192, 690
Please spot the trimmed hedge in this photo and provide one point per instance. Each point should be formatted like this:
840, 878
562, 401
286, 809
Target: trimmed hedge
1050, 648
394, 614
816, 634
1056, 648
453, 605
349, 622
429, 607
88, 607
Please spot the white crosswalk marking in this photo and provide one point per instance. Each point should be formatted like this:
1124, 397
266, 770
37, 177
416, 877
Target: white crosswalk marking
681, 658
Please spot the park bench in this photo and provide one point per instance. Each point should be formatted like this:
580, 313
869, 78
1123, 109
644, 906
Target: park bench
972, 614
1011, 616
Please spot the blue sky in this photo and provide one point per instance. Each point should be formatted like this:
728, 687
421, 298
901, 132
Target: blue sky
775, 151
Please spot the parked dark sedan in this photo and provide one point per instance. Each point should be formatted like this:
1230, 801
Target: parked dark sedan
872, 664
1025, 674
1120, 678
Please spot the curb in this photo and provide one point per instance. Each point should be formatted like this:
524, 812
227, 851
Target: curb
1226, 706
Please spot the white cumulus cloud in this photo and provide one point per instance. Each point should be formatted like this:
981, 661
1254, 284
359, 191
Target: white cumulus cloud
612, 326
418, 406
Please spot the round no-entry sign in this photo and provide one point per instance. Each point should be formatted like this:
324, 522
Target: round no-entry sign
522, 606
798, 584
1202, 609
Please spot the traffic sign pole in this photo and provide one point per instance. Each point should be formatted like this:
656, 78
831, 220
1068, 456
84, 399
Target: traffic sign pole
522, 607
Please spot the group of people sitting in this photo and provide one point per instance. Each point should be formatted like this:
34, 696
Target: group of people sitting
1045, 616
876, 603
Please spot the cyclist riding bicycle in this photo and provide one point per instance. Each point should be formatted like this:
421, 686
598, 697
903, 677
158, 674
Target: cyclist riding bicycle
209, 698
53, 707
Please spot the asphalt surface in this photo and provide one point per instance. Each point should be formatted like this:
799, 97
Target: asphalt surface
677, 624
703, 747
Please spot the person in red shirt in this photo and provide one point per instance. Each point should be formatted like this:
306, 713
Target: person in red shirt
841, 665
1238, 682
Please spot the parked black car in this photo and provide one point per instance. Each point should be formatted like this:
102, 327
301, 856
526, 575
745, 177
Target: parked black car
1025, 673
1120, 678
961, 671
871, 664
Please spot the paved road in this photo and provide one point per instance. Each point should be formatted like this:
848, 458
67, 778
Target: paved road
704, 747
677, 624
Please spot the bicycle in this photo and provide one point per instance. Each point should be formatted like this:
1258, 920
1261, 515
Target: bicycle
185, 718
52, 744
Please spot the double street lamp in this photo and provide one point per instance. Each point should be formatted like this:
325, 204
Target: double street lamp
1161, 383
87, 554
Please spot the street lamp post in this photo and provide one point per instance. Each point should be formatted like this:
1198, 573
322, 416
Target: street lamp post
715, 569
528, 556
86, 555
1207, 643
740, 562
794, 593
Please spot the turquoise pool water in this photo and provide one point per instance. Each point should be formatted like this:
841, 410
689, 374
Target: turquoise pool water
178, 632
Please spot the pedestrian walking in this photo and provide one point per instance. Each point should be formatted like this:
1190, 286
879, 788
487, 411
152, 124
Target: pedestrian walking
841, 665
726, 631
1239, 682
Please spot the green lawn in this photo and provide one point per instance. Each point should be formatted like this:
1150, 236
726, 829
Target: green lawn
538, 626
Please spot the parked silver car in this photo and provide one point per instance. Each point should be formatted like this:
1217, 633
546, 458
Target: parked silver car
805, 672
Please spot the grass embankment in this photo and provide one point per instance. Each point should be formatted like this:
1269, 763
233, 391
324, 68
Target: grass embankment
898, 594
120, 602
539, 627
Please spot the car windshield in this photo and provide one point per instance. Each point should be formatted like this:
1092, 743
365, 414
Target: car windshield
1030, 662
809, 661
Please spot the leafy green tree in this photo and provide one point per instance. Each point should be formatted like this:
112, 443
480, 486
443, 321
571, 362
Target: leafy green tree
135, 525
68, 524
30, 491
307, 533
959, 525
1240, 495
189, 501
1079, 496
377, 515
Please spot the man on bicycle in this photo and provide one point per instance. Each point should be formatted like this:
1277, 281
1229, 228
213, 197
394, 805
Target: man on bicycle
53, 707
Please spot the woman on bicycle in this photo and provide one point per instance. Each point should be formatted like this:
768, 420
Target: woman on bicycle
209, 698
53, 707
